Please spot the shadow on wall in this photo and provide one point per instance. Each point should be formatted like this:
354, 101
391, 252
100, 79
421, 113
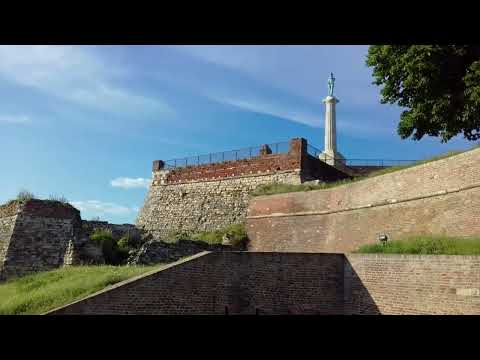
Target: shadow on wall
356, 297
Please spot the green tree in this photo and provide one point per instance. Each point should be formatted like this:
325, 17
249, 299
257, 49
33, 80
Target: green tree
439, 85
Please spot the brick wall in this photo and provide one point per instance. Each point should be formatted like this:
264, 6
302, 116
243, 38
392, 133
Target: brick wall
411, 284
441, 197
296, 283
243, 282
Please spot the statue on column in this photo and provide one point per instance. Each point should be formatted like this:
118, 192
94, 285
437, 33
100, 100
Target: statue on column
331, 84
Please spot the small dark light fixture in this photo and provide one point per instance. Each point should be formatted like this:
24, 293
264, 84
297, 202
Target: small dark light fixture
382, 238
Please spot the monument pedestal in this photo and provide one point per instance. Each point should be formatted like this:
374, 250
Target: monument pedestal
332, 158
330, 155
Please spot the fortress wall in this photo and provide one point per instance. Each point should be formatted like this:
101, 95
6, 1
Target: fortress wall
242, 282
440, 197
202, 206
295, 283
40, 235
209, 197
412, 284
8, 217
43, 237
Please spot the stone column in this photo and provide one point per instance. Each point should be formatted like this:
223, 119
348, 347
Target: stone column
330, 154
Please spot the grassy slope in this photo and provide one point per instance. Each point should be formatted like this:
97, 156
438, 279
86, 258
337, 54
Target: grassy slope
425, 245
38, 293
278, 188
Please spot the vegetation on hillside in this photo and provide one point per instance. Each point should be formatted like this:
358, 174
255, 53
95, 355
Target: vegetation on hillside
426, 245
41, 292
438, 85
115, 251
279, 188
236, 234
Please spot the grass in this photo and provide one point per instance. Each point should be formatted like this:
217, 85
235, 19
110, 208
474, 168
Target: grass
425, 245
40, 292
278, 188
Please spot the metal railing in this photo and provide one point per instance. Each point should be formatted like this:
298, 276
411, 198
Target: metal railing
317, 153
231, 155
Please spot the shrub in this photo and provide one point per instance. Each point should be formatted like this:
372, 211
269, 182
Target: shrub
112, 253
25, 195
236, 234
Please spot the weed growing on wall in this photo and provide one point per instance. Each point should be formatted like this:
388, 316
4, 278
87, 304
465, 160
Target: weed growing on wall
25, 195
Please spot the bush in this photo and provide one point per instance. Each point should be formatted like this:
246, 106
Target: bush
236, 234
25, 195
114, 252
426, 245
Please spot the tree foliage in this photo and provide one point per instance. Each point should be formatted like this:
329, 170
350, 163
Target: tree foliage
439, 85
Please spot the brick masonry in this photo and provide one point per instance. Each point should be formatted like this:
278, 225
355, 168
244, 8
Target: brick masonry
209, 197
296, 283
440, 197
412, 284
242, 282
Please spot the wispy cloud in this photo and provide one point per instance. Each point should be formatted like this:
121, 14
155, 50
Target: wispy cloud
75, 74
130, 183
14, 119
293, 114
99, 208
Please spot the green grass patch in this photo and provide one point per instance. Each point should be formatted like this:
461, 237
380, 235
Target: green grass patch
425, 245
41, 292
279, 188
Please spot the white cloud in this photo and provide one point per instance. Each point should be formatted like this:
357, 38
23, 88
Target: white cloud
129, 183
75, 74
99, 208
14, 119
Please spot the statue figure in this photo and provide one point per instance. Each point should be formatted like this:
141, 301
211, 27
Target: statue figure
331, 84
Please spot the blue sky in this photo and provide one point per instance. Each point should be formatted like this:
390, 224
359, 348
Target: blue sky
86, 122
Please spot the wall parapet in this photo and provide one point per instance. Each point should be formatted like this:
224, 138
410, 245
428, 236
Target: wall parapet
264, 163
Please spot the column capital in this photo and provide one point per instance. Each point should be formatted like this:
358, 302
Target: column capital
330, 99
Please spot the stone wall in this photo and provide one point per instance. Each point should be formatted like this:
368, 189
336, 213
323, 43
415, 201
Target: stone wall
436, 198
8, 217
296, 283
40, 235
42, 238
209, 197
